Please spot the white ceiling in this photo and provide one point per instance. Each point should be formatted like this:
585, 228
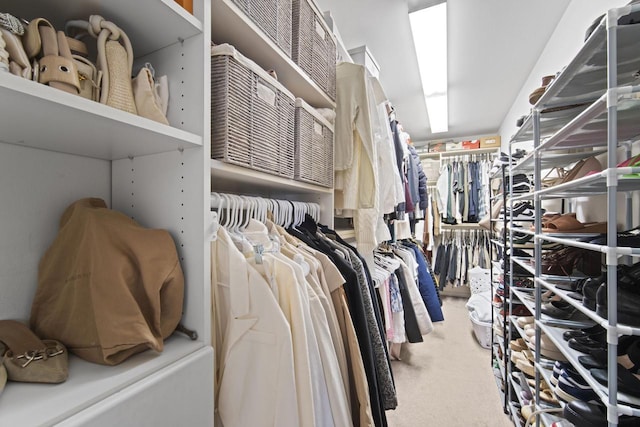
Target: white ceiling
493, 45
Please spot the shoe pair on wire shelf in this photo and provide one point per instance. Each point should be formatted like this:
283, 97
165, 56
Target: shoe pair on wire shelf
592, 292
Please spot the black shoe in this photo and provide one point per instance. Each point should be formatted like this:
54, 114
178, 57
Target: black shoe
590, 289
628, 305
519, 153
586, 344
598, 359
504, 159
594, 360
571, 286
585, 414
520, 253
517, 210
629, 238
629, 277
627, 382
577, 333
562, 310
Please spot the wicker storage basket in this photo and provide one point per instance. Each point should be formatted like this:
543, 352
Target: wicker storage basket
314, 47
273, 17
313, 146
252, 115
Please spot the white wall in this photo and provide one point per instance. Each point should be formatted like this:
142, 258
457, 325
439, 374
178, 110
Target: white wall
563, 45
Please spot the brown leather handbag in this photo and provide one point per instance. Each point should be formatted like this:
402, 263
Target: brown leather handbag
107, 287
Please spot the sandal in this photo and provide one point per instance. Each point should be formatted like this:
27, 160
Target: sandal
50, 50
90, 78
583, 168
548, 217
12, 30
114, 61
633, 162
569, 224
555, 176
525, 320
518, 345
548, 396
29, 359
549, 350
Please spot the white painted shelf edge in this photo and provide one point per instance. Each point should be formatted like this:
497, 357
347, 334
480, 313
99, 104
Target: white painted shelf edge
38, 112
88, 383
249, 177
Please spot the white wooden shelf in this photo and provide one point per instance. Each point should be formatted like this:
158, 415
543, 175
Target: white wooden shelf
440, 154
347, 233
462, 226
228, 177
230, 25
50, 119
88, 383
140, 23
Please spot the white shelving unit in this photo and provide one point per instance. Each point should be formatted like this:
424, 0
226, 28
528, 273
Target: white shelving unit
56, 148
230, 25
592, 105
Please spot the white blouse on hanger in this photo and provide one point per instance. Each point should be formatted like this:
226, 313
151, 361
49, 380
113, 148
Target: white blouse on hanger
295, 302
252, 340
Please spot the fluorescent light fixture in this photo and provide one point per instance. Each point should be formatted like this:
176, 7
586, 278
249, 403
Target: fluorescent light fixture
429, 29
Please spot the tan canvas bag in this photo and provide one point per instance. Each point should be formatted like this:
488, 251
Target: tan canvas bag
107, 287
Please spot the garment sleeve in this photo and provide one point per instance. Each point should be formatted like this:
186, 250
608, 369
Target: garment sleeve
422, 180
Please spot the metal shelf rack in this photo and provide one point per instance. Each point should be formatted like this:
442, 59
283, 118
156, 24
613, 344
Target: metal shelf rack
591, 108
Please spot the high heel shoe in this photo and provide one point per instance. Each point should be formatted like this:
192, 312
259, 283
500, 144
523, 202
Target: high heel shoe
632, 162
583, 168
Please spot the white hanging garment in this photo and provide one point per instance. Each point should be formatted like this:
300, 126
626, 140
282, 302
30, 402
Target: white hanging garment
244, 313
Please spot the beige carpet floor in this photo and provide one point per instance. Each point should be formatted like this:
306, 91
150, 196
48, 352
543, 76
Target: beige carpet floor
447, 380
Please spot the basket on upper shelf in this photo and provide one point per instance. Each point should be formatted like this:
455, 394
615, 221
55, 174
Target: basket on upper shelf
314, 46
252, 115
273, 17
313, 146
